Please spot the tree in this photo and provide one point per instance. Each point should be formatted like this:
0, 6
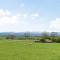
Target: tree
53, 36
11, 37
45, 36
27, 35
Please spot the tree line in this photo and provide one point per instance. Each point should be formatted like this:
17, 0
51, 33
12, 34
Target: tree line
45, 37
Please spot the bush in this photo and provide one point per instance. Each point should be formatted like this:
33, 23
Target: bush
42, 40
11, 37
58, 40
53, 39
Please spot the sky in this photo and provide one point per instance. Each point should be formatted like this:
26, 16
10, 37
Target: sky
29, 15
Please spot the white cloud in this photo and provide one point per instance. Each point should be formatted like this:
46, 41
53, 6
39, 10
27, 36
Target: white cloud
19, 15
54, 25
10, 22
37, 27
4, 12
6, 17
8, 12
25, 15
17, 23
35, 15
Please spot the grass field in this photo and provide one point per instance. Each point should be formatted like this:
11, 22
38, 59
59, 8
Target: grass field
24, 50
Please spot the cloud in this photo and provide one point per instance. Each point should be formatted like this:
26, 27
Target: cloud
25, 15
4, 12
18, 22
10, 22
6, 17
35, 15
19, 15
38, 27
54, 25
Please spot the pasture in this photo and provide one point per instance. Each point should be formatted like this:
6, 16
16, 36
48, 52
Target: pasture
28, 50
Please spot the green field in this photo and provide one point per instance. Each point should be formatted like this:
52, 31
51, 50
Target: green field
24, 50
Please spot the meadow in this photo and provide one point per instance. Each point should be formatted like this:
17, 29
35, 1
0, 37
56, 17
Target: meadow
28, 50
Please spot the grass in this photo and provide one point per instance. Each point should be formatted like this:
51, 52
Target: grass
23, 50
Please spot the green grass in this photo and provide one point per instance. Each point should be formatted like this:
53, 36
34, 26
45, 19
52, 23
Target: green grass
22, 50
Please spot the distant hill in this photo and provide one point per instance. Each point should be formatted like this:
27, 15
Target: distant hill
19, 33
22, 33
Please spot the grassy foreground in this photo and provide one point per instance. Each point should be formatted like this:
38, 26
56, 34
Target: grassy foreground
24, 50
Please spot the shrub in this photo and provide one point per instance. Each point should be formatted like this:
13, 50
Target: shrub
42, 40
11, 37
58, 40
